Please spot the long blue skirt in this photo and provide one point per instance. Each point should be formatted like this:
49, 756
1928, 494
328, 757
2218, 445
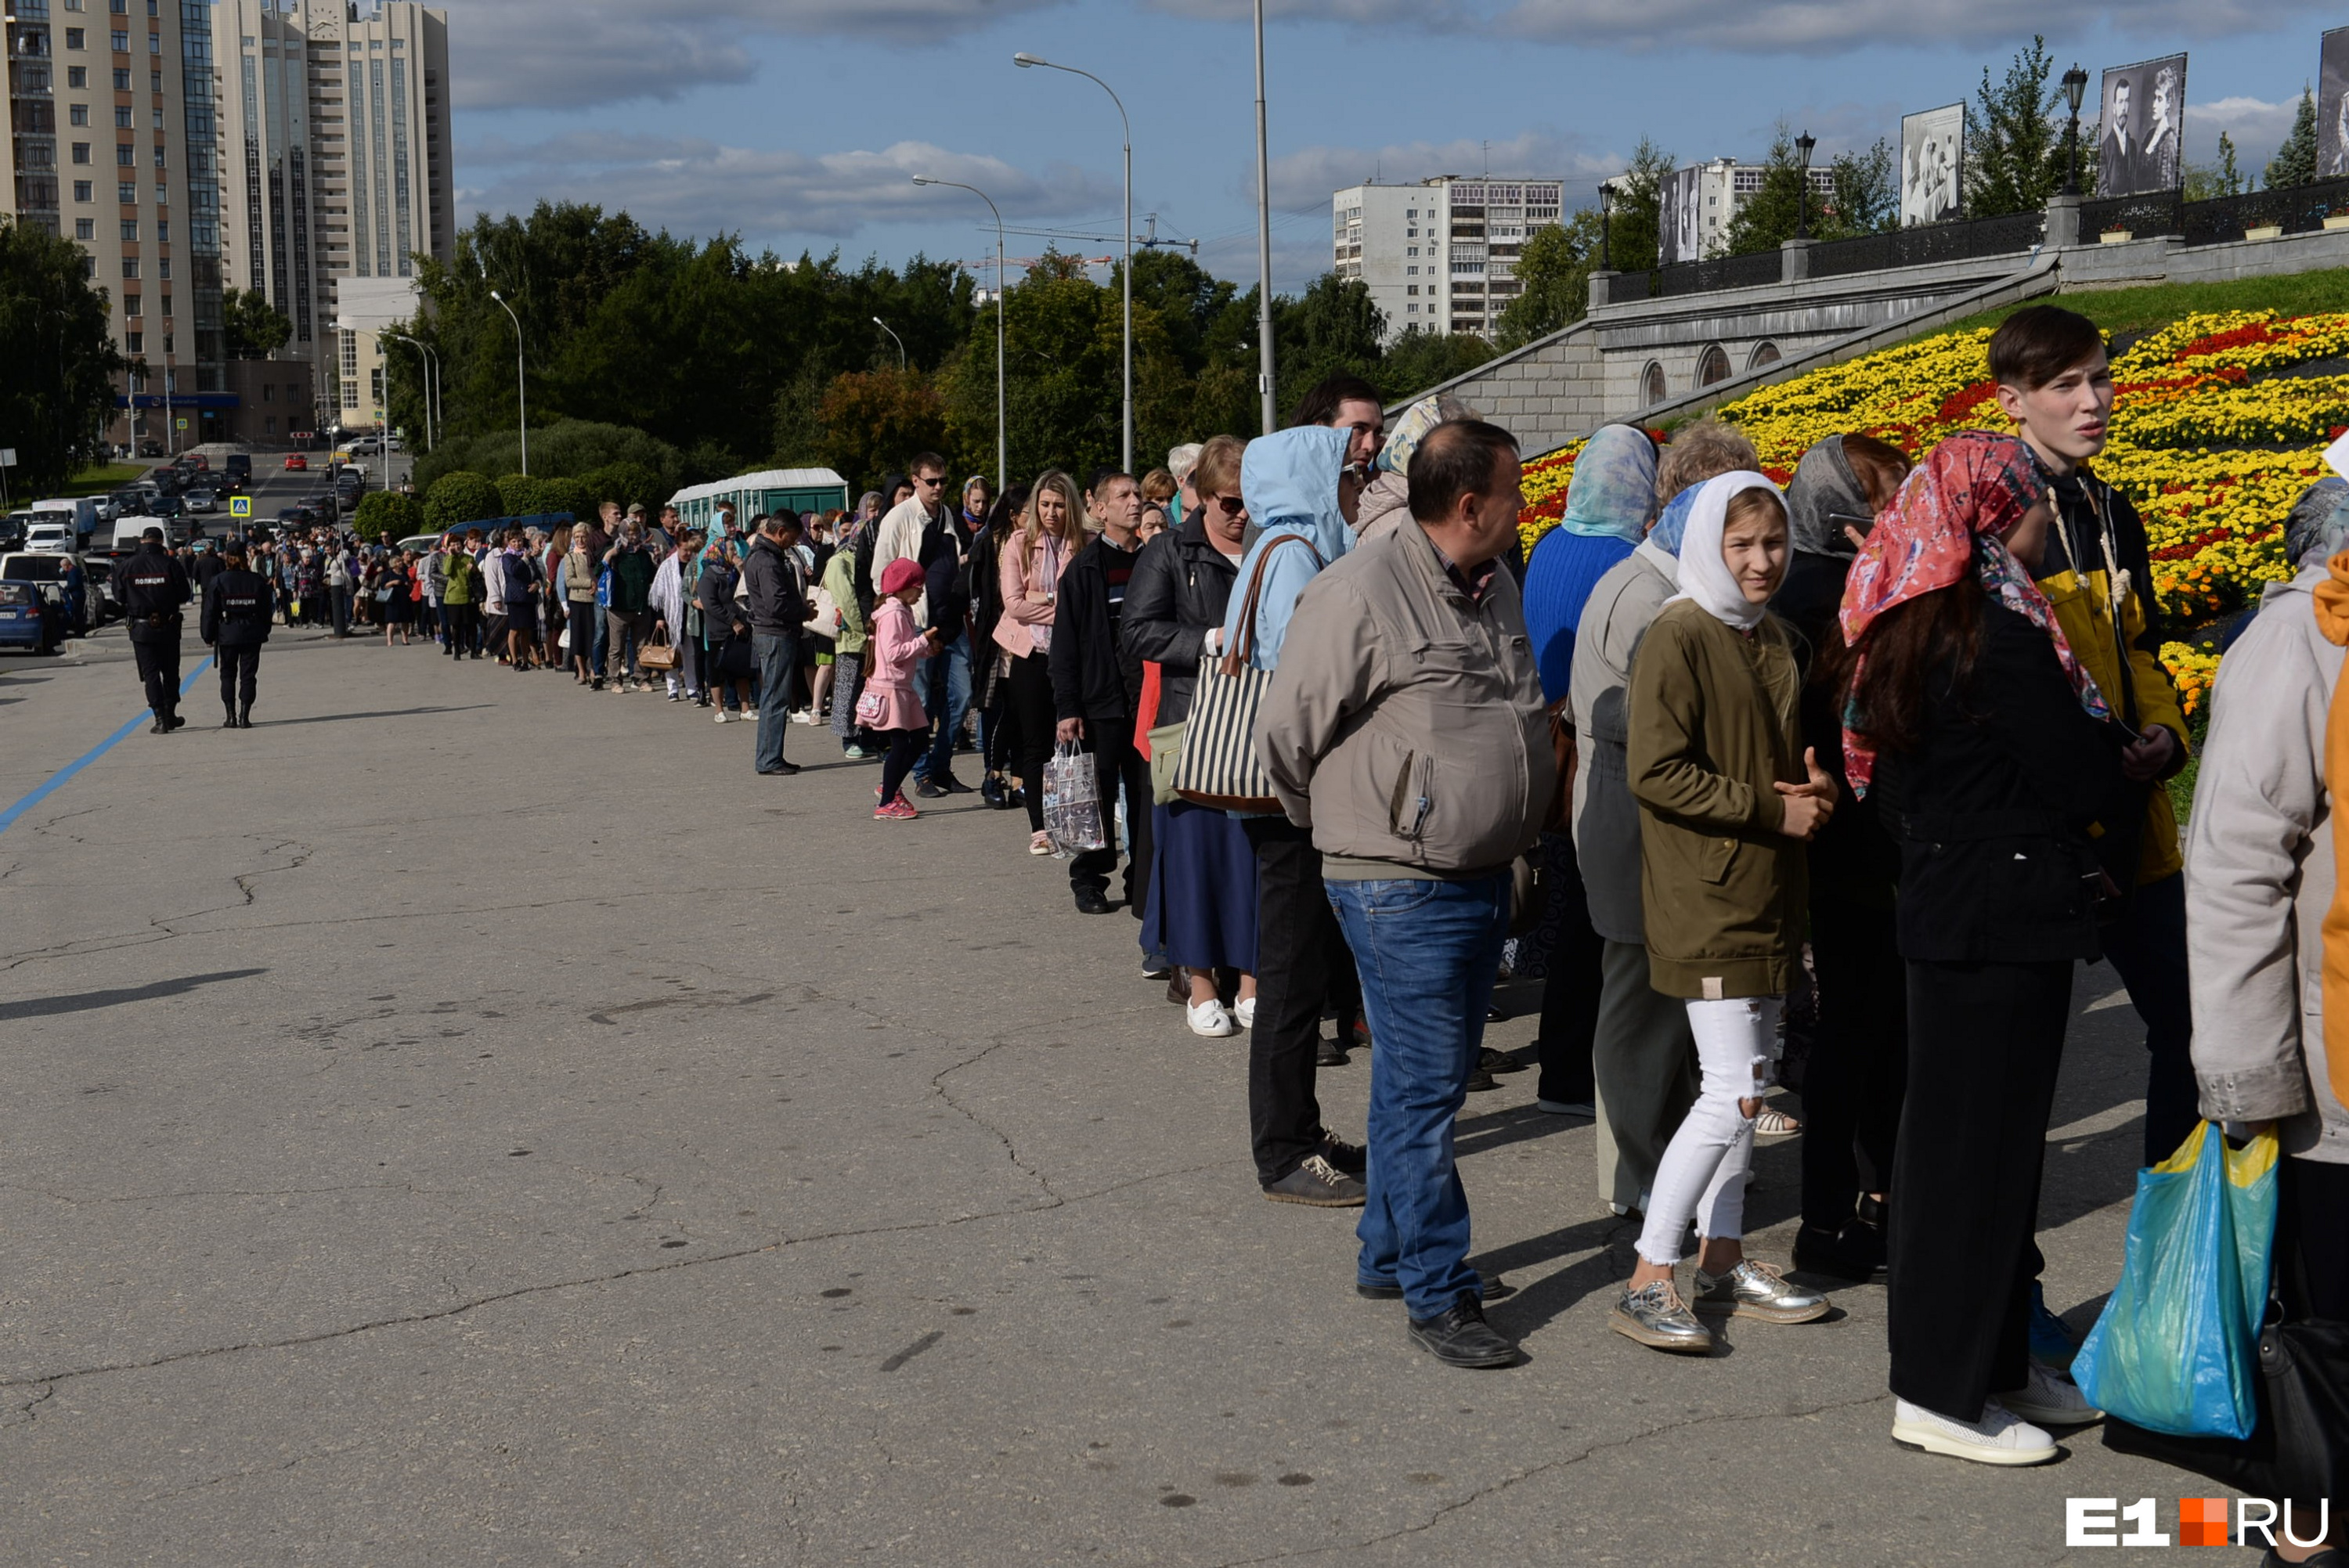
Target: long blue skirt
1203, 888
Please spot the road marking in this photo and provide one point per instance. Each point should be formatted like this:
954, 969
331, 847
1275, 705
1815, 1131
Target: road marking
57, 781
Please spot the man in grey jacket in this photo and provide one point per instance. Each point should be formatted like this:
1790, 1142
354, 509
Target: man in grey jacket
1643, 1055
1404, 726
2259, 878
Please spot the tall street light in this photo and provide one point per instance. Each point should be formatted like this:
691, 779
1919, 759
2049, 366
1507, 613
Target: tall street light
1263, 240
2075, 84
1606, 225
1002, 442
1024, 61
424, 383
521, 387
1805, 145
894, 338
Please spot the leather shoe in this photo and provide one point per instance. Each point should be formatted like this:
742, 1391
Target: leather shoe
1328, 1054
927, 791
955, 786
1459, 1335
782, 770
1090, 903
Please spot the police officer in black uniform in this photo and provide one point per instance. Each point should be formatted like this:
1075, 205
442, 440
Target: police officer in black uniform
235, 619
150, 587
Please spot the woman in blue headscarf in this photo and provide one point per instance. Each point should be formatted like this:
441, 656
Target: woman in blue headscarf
1608, 504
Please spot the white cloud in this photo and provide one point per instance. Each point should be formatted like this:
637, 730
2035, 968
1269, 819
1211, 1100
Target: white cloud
692, 186
1307, 177
1819, 26
554, 54
2256, 127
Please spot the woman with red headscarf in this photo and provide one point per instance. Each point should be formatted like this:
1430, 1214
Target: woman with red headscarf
1989, 751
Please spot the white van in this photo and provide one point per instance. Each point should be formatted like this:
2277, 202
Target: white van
80, 514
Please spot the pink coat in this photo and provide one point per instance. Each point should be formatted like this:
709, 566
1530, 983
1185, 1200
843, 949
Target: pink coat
891, 655
1025, 626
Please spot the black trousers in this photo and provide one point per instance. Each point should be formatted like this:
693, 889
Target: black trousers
1569, 1014
238, 667
1117, 764
158, 670
1301, 960
2147, 948
1031, 703
1858, 1071
1984, 1043
464, 629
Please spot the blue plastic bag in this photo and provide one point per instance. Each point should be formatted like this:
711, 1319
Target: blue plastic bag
2175, 1349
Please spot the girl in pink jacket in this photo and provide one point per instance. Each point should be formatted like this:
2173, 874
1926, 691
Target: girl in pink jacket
888, 705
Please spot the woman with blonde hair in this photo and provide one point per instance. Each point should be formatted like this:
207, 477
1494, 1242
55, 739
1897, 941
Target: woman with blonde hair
1052, 531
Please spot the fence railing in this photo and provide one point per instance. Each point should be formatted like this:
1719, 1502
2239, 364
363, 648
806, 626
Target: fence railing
2156, 212
2295, 209
1624, 288
1929, 242
1720, 272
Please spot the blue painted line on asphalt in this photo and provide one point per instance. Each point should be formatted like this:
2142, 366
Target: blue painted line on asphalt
57, 781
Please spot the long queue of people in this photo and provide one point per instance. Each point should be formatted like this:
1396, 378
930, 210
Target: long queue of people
1893, 734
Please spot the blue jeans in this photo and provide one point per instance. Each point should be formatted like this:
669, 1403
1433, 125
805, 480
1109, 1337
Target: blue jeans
777, 657
1428, 952
949, 701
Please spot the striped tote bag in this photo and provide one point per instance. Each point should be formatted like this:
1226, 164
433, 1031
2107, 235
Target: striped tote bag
1218, 765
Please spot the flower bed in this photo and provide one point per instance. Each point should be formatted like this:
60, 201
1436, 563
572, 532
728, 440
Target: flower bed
2219, 421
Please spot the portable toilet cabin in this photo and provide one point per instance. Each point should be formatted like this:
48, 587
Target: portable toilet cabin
802, 489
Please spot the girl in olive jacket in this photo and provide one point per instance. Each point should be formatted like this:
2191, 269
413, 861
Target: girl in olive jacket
1727, 798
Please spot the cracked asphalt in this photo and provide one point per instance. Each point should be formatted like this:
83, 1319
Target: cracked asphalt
462, 1121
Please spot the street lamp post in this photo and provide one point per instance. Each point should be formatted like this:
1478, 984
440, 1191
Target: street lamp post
522, 386
2075, 84
1263, 240
894, 338
1805, 145
1002, 440
1606, 225
1023, 61
424, 359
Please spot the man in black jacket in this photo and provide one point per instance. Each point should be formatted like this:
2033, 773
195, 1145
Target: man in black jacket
945, 548
1096, 687
776, 593
234, 620
150, 587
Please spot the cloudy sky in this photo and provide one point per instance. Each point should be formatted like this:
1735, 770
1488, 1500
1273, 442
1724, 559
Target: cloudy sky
799, 123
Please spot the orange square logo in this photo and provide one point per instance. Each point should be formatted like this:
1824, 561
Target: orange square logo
2203, 1521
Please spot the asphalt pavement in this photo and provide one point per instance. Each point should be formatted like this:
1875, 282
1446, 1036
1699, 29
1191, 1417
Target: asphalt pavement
463, 1120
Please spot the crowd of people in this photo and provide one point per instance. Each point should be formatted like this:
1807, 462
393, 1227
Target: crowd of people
1890, 741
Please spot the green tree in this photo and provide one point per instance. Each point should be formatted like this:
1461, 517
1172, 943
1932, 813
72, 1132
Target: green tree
626, 483
2015, 142
1867, 194
1419, 360
388, 515
1333, 326
570, 448
871, 421
57, 391
460, 498
255, 329
2205, 181
1767, 217
1637, 220
2295, 161
1553, 271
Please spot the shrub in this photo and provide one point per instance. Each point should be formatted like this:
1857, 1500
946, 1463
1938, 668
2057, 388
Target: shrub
518, 495
573, 496
460, 498
385, 515
625, 482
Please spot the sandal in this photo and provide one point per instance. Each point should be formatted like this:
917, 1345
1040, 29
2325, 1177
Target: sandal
1772, 1122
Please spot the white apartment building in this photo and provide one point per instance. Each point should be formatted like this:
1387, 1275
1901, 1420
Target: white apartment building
111, 145
333, 135
1724, 185
1439, 255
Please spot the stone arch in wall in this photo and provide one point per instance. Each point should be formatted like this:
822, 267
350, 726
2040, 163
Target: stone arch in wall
1651, 384
1713, 366
1764, 354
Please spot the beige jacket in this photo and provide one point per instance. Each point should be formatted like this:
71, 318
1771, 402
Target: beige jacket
1404, 724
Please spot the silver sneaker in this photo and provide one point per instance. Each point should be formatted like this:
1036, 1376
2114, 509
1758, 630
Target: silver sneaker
1656, 1317
1757, 1290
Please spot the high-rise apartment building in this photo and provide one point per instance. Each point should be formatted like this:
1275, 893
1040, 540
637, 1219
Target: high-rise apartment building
333, 135
1439, 255
111, 145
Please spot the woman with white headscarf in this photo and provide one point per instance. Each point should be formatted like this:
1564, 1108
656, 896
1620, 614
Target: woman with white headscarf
1728, 796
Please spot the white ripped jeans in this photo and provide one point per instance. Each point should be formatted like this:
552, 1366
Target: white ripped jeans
1703, 1172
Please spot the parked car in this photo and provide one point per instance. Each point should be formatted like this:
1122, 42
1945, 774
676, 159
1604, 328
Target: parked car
28, 621
391, 443
295, 462
46, 537
202, 500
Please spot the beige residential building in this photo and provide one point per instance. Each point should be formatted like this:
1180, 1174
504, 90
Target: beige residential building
111, 145
335, 143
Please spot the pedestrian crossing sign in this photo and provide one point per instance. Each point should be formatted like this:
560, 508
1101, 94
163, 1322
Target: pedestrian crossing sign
240, 506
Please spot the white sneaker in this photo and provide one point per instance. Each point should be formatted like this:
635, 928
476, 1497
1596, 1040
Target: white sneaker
721, 716
1209, 1018
2051, 1398
1243, 1012
1999, 1438
1040, 843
